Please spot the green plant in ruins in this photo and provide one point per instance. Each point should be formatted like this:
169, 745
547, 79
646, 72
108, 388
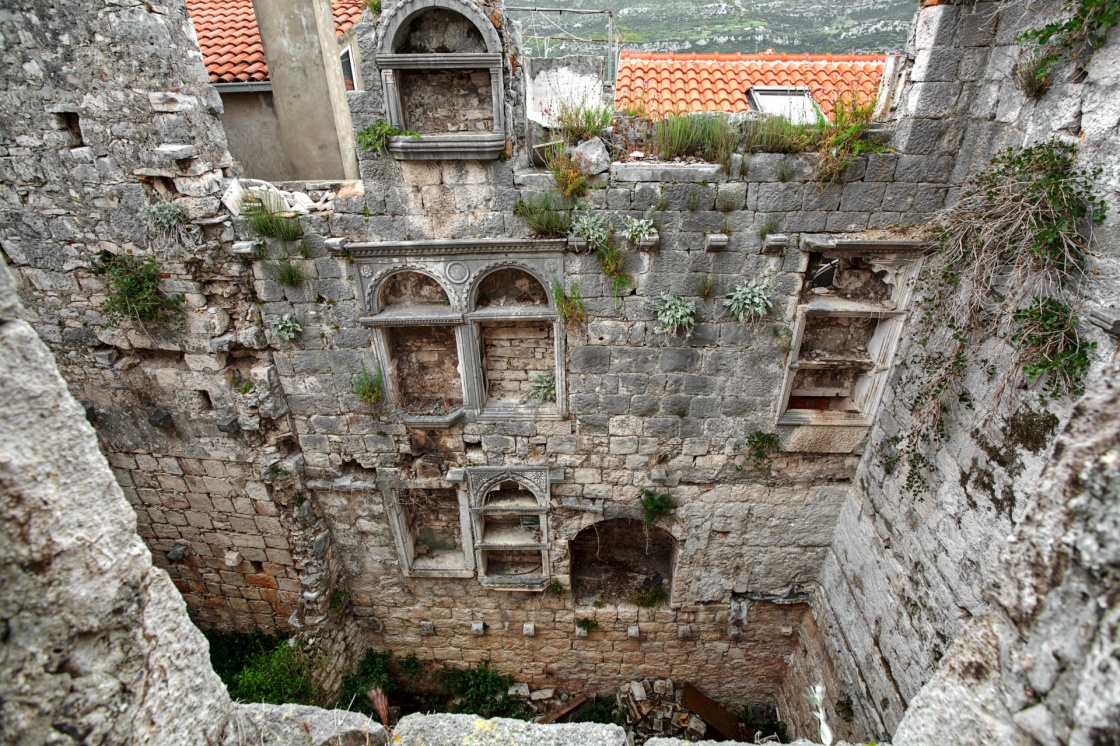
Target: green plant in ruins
1082, 29
656, 504
133, 293
760, 447
1007, 267
376, 136
369, 387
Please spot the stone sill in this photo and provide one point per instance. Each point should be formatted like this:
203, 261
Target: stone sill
523, 584
431, 422
412, 317
693, 173
439, 61
433, 572
835, 246
514, 313
819, 417
823, 305
509, 412
454, 147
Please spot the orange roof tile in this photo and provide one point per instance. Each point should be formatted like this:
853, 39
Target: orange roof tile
231, 44
665, 83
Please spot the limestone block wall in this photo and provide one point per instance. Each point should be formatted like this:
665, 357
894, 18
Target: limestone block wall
192, 416
908, 570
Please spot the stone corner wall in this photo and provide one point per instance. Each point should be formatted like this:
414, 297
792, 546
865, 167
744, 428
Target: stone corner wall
909, 568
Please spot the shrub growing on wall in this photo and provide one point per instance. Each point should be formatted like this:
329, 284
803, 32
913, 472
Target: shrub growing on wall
133, 290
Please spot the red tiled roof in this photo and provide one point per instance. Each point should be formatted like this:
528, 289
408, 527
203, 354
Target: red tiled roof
231, 44
667, 83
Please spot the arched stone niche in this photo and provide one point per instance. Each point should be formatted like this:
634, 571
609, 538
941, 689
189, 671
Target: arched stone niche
441, 73
509, 517
612, 559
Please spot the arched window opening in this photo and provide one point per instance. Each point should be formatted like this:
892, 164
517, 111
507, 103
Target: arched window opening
621, 561
510, 287
439, 31
410, 290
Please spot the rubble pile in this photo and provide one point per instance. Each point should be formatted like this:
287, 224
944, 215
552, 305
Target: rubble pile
653, 708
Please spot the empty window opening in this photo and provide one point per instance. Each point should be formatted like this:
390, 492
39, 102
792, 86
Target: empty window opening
425, 369
441, 101
510, 494
828, 389
439, 31
510, 287
411, 289
622, 561
69, 121
512, 563
835, 362
837, 339
851, 278
434, 527
518, 360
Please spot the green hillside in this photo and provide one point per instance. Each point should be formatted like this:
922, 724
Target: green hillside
793, 26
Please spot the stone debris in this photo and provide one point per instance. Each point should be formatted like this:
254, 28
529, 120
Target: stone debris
653, 708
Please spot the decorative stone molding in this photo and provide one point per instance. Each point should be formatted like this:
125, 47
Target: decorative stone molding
491, 521
830, 431
457, 146
459, 267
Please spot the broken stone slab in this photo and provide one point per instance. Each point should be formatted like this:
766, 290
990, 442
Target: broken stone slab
519, 689
542, 694
592, 156
693, 173
175, 151
260, 723
423, 730
534, 180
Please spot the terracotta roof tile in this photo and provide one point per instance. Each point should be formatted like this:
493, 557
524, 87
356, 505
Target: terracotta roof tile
669, 82
231, 44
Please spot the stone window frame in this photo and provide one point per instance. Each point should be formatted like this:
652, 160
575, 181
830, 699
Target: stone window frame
459, 267
406, 543
538, 480
452, 146
845, 432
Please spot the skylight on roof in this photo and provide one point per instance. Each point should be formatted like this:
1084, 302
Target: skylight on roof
795, 103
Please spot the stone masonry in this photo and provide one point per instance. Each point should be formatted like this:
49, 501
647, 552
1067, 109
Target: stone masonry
264, 485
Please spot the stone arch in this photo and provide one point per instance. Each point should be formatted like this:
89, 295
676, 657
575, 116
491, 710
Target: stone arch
616, 557
532, 274
397, 22
375, 295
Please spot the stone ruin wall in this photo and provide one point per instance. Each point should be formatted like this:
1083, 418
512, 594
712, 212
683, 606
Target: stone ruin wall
249, 478
907, 572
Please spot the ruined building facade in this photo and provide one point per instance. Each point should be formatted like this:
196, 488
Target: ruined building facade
462, 518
